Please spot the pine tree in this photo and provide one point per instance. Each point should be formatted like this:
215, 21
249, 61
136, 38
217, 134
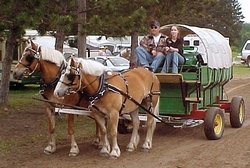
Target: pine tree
15, 17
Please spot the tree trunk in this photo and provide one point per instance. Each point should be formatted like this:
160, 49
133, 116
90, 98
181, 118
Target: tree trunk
134, 44
81, 36
59, 38
6, 68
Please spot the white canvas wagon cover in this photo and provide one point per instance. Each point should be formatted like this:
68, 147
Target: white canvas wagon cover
218, 52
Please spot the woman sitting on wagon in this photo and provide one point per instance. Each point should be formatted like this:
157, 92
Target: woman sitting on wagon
174, 50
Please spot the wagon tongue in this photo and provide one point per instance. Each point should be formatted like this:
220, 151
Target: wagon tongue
189, 123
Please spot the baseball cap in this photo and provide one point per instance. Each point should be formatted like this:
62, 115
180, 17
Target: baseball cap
155, 23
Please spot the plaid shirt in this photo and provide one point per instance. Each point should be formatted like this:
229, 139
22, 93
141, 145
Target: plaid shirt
147, 42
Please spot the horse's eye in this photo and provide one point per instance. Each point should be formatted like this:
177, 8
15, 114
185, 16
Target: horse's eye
29, 58
63, 71
71, 77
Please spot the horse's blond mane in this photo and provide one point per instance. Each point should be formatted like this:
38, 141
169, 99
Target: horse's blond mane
92, 67
51, 55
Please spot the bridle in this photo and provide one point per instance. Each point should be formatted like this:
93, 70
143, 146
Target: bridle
77, 73
80, 88
36, 56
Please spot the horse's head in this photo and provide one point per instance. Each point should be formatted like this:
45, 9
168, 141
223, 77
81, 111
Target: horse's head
70, 79
29, 61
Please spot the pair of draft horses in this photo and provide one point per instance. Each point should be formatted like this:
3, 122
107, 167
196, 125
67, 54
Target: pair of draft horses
89, 84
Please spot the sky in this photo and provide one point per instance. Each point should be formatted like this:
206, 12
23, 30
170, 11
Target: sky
245, 9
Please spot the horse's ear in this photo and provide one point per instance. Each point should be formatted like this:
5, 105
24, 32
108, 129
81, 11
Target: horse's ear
72, 61
33, 45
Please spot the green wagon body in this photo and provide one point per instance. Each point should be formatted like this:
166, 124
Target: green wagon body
196, 94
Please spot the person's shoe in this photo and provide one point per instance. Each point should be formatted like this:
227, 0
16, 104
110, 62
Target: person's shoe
148, 67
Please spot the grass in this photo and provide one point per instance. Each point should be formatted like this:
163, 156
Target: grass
23, 97
20, 102
240, 70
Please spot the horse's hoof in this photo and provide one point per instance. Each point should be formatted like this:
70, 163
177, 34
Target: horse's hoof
99, 147
95, 143
74, 151
130, 150
47, 152
113, 157
104, 154
71, 154
144, 149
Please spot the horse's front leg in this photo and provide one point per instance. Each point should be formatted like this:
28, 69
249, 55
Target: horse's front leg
50, 112
74, 147
115, 150
97, 141
135, 138
102, 131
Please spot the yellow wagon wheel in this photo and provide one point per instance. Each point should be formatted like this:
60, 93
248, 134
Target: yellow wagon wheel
237, 112
214, 123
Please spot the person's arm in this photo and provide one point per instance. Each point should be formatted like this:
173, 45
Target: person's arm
178, 47
146, 44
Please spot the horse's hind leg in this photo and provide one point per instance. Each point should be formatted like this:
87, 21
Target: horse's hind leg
151, 124
50, 112
135, 138
74, 148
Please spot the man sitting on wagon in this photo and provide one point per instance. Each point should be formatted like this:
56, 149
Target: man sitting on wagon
152, 49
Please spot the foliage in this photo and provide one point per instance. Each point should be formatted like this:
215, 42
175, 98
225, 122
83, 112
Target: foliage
245, 35
18, 15
15, 17
57, 13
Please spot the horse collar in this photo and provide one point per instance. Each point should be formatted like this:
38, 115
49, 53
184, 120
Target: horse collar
102, 88
55, 80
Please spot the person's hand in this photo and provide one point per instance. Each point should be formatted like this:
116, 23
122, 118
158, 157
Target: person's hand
154, 53
173, 49
167, 49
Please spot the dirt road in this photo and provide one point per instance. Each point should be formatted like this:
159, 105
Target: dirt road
172, 148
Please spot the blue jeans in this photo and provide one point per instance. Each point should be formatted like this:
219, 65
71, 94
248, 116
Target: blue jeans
176, 60
144, 58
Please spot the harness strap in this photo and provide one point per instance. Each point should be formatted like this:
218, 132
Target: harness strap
102, 88
126, 84
54, 81
134, 101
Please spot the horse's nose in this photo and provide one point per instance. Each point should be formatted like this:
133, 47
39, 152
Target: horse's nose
14, 75
58, 94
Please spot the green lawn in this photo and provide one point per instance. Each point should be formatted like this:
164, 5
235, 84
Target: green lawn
240, 70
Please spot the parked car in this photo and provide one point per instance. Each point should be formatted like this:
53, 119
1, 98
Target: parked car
115, 63
245, 53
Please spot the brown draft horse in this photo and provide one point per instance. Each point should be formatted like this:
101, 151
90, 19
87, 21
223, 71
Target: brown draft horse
111, 95
50, 62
